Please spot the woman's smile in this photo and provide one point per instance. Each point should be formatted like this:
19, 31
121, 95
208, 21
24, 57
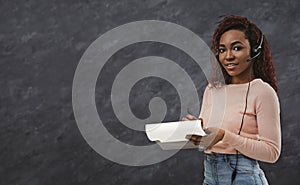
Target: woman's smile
231, 66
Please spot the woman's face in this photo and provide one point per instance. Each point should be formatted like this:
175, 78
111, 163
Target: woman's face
234, 50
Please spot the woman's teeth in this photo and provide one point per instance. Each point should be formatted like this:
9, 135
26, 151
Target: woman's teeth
231, 64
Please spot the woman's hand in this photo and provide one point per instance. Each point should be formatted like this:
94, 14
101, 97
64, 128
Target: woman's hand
189, 117
213, 136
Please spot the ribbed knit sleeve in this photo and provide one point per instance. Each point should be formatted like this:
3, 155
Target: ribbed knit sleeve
268, 145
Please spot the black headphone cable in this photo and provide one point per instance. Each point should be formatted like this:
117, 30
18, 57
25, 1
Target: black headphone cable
235, 170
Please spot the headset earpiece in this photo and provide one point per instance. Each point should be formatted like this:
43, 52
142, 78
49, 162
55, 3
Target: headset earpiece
257, 49
255, 52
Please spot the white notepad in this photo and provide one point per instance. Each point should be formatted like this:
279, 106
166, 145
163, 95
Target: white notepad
172, 135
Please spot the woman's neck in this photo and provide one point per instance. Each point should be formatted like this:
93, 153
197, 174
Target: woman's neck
241, 80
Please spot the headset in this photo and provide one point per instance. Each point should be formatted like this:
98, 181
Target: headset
256, 51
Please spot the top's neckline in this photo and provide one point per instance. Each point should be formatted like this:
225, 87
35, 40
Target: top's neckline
242, 84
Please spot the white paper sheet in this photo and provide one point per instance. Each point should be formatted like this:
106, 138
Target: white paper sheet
172, 135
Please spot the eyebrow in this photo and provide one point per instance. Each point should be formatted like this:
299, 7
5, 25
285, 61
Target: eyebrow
232, 44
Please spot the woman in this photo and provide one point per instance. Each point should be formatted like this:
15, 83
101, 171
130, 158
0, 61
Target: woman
250, 129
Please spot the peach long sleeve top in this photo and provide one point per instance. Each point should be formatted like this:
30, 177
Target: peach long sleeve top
260, 137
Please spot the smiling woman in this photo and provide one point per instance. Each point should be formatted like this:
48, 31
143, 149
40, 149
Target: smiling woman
250, 129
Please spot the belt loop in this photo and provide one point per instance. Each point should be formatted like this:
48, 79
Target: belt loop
214, 155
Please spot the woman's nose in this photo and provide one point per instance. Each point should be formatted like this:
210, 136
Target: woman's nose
229, 55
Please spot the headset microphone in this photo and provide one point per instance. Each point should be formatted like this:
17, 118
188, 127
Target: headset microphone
257, 49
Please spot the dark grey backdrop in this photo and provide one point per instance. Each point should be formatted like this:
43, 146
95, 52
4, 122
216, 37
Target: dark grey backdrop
41, 44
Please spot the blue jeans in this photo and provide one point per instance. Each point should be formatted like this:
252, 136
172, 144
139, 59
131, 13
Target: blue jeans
218, 169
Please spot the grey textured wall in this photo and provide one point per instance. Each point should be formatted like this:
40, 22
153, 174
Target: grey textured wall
41, 44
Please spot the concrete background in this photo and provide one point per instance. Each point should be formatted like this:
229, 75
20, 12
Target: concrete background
41, 43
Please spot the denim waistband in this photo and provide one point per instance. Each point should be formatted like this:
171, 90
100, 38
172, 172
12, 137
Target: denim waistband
216, 156
219, 167
231, 158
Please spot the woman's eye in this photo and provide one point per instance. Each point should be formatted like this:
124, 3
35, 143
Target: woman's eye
221, 50
237, 48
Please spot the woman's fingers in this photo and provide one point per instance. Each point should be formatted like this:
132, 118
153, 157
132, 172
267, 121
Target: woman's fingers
185, 119
214, 135
194, 139
197, 143
189, 117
